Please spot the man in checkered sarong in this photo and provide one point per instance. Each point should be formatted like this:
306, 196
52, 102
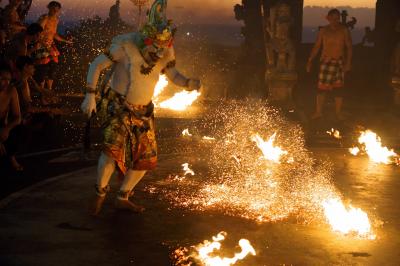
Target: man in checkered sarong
336, 56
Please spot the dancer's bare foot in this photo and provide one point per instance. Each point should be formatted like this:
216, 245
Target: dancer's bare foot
97, 204
125, 204
15, 164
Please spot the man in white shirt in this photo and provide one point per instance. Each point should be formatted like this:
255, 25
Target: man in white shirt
137, 59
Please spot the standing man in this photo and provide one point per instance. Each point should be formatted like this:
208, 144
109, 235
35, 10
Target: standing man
336, 56
47, 54
136, 59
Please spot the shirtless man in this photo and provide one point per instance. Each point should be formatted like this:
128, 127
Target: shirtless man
336, 56
126, 108
46, 55
10, 116
19, 45
11, 20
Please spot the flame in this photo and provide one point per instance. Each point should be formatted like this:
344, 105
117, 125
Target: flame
206, 248
181, 100
208, 138
187, 169
186, 132
354, 151
335, 133
347, 220
268, 149
372, 145
162, 83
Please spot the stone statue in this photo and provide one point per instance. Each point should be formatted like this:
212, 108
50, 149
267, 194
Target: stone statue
281, 53
114, 15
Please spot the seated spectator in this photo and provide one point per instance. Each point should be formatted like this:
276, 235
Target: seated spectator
11, 21
24, 83
23, 43
10, 118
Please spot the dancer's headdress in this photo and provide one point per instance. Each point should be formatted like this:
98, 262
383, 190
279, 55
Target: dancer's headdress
158, 30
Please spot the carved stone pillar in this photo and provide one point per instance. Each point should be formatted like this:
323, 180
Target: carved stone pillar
387, 15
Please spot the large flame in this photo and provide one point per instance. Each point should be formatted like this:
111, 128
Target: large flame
181, 100
372, 145
206, 248
160, 86
268, 149
347, 220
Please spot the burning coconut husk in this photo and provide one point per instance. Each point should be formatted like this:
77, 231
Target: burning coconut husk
371, 144
205, 253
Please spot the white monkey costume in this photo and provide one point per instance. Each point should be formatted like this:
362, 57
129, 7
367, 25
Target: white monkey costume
126, 109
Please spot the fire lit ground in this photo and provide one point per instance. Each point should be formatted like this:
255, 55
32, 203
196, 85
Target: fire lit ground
236, 175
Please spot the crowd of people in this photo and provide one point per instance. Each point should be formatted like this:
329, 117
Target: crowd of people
28, 65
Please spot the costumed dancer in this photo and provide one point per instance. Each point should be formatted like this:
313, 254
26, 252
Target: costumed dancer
126, 109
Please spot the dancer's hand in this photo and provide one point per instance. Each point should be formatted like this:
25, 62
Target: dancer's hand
194, 84
89, 104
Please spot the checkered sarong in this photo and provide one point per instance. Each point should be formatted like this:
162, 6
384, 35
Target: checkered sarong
331, 75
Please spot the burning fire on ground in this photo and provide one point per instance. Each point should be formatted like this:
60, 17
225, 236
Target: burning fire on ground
371, 144
186, 133
202, 253
347, 221
263, 189
334, 133
270, 152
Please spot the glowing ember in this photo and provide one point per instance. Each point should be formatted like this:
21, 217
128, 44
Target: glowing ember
268, 149
238, 183
187, 169
208, 138
160, 86
347, 220
355, 151
372, 145
181, 100
206, 248
335, 133
186, 133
